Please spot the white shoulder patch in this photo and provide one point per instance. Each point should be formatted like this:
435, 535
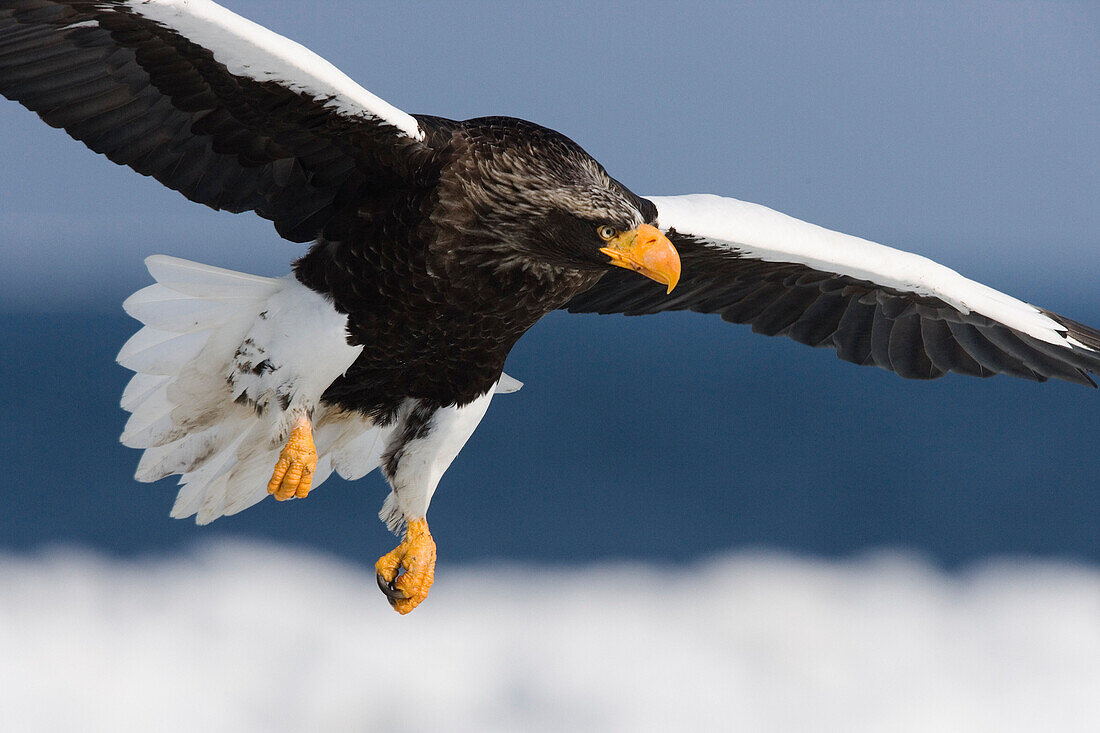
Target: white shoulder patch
249, 50
761, 233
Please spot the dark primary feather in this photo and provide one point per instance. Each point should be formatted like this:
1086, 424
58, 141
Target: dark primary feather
915, 336
146, 97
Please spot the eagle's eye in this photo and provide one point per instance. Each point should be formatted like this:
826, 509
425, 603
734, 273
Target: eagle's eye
606, 232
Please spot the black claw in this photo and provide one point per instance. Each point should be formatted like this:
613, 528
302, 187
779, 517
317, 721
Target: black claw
393, 593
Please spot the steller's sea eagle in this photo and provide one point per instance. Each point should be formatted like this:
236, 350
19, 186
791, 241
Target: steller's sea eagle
435, 244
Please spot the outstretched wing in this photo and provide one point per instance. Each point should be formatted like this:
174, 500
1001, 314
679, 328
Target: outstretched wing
210, 104
873, 304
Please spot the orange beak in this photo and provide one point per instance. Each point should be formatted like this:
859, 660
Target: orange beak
647, 251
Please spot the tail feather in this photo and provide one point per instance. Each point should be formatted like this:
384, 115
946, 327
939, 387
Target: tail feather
359, 452
215, 476
184, 455
162, 308
152, 351
184, 410
140, 388
149, 420
156, 434
246, 482
206, 281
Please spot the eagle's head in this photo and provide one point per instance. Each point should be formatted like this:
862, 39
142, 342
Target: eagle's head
518, 195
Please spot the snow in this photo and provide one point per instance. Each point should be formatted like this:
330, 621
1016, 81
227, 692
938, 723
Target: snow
252, 637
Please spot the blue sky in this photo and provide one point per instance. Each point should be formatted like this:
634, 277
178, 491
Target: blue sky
967, 132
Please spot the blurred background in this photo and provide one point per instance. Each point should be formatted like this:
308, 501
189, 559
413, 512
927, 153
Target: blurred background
895, 555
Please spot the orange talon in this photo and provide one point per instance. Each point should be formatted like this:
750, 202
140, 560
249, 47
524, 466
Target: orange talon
298, 460
416, 554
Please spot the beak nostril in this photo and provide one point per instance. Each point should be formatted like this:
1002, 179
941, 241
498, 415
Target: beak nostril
648, 252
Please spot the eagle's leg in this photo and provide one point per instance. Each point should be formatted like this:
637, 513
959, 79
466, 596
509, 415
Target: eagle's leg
297, 461
416, 555
423, 442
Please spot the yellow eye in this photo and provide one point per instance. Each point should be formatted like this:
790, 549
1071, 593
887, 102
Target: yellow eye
606, 232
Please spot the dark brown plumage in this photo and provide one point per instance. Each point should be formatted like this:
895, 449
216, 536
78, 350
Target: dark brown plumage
440, 296
398, 245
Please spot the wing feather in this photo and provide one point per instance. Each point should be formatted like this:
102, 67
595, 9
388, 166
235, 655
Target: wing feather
873, 304
210, 104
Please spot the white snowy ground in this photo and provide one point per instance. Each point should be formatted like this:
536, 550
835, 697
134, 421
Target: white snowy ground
248, 637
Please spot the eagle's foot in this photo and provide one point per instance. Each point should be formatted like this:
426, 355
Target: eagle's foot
416, 554
298, 460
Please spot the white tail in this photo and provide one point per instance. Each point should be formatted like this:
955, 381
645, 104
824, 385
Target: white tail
187, 397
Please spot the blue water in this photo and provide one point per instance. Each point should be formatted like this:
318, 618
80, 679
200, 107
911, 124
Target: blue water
666, 437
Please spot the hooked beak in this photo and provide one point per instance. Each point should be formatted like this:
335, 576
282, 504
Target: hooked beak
647, 251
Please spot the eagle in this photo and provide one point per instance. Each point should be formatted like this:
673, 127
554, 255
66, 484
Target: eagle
433, 246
